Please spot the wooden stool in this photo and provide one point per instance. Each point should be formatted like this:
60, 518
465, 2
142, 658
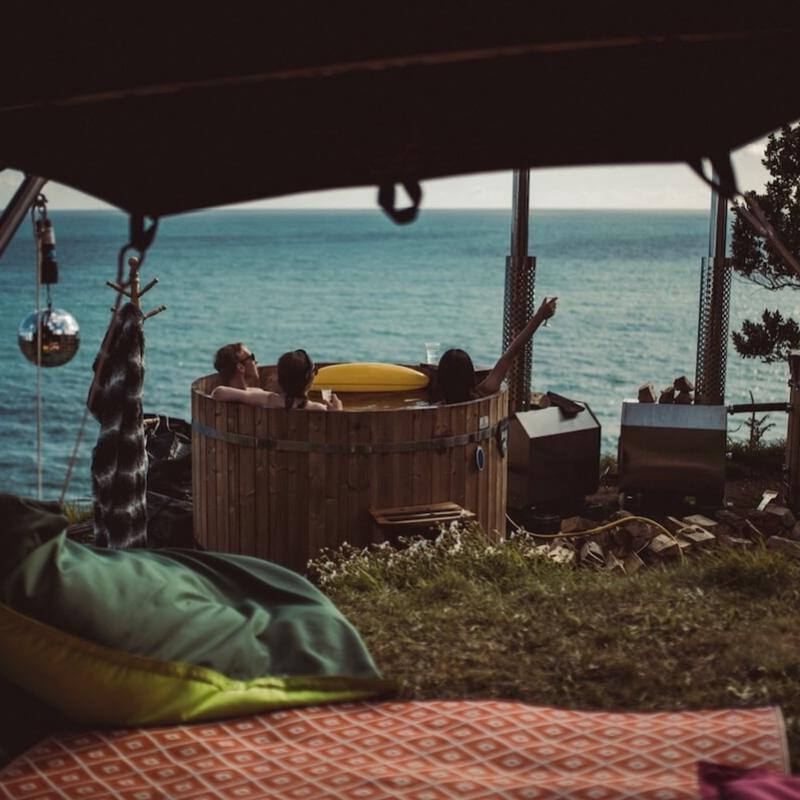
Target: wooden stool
391, 523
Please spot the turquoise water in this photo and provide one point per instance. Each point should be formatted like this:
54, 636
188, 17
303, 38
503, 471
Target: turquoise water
350, 285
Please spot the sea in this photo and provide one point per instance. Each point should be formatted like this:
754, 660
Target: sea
350, 285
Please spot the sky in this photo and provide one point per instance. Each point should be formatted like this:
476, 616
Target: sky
672, 186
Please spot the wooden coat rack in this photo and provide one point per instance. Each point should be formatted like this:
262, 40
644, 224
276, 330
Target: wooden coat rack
134, 291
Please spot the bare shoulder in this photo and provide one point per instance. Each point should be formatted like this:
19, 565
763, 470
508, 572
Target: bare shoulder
251, 396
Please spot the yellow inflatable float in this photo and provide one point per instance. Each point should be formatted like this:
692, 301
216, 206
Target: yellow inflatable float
368, 377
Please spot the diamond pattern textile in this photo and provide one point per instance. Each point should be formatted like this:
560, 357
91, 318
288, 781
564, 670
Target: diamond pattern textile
433, 750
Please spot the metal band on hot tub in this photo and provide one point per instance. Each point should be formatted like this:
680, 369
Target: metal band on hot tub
289, 446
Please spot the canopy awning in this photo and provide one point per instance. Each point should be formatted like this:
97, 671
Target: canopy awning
171, 113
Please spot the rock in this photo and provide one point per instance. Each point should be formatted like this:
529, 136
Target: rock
647, 393
683, 384
783, 513
784, 545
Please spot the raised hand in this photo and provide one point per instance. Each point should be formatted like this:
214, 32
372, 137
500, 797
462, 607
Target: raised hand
334, 404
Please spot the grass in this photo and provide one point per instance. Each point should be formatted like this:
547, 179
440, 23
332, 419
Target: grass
469, 617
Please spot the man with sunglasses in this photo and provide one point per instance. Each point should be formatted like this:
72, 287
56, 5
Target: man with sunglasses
238, 376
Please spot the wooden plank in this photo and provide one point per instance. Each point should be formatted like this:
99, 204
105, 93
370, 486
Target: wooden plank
232, 452
211, 476
458, 457
263, 497
297, 492
381, 479
198, 451
220, 424
336, 481
317, 475
367, 476
493, 466
403, 463
440, 458
278, 490
472, 475
247, 490
484, 408
502, 480
422, 430
357, 481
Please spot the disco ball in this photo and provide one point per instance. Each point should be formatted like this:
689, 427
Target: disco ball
60, 336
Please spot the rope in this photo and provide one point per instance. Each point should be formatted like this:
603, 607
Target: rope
38, 243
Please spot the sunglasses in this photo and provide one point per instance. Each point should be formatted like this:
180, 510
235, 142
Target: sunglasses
251, 357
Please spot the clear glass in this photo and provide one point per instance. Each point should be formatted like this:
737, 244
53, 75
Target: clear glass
431, 352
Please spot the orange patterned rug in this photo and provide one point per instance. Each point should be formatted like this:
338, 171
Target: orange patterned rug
429, 750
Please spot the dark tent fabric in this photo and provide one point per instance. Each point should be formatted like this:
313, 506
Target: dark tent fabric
160, 113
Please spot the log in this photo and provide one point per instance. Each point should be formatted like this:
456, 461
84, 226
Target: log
683, 384
667, 395
684, 398
647, 393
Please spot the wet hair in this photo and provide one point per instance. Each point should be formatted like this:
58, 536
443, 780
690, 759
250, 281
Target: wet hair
226, 359
455, 377
295, 372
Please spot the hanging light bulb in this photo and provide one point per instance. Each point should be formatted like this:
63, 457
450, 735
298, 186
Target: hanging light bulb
59, 330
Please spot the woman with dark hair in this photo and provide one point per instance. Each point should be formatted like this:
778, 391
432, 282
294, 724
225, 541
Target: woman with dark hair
296, 373
455, 376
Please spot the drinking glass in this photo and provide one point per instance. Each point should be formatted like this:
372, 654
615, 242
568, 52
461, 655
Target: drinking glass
431, 352
326, 394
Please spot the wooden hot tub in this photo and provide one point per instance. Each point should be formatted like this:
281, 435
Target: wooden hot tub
282, 485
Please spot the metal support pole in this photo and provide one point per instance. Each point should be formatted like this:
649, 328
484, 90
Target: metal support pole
792, 462
18, 207
520, 279
712, 326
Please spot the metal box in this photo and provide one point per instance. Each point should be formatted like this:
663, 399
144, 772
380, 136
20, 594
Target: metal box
552, 457
673, 448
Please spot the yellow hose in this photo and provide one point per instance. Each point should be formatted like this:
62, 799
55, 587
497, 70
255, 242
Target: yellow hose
606, 526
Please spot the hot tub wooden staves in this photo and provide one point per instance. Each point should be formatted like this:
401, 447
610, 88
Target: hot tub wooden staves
282, 485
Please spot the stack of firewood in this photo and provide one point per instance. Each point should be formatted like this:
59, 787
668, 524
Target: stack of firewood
634, 543
681, 391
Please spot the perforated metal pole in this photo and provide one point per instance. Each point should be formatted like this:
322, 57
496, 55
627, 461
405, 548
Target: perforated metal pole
520, 279
715, 298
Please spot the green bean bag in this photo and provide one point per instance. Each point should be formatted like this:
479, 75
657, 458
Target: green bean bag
137, 637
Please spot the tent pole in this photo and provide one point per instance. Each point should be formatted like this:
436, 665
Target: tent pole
520, 279
715, 296
18, 207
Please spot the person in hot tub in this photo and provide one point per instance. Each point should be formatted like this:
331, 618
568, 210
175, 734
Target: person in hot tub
455, 376
238, 373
